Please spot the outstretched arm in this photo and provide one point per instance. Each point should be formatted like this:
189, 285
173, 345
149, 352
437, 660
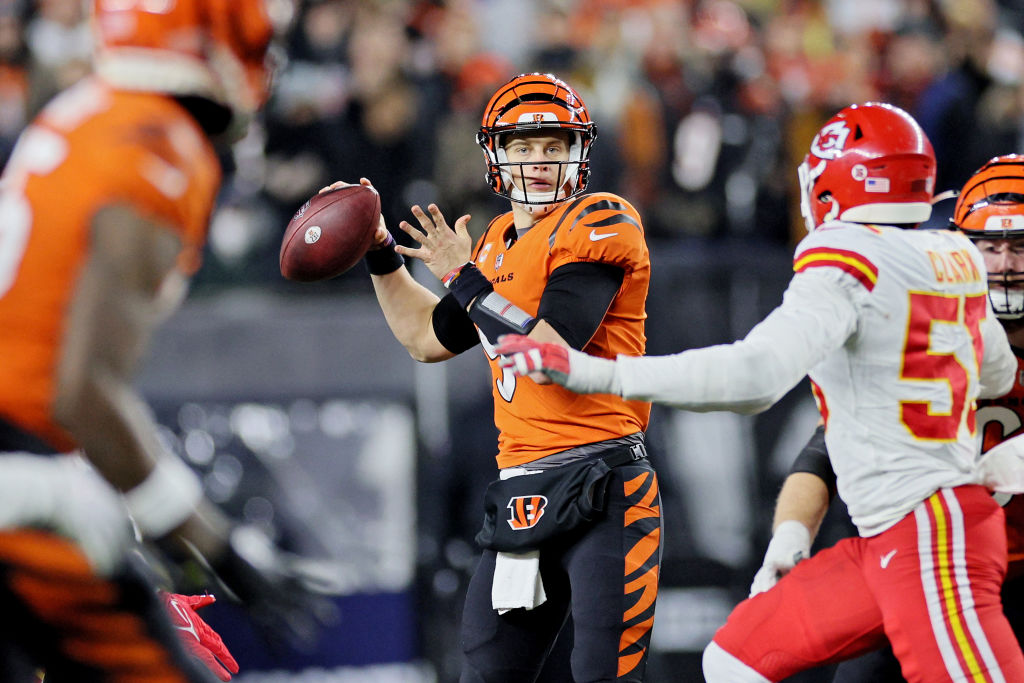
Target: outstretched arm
816, 317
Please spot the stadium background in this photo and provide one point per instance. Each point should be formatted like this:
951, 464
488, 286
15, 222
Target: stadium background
305, 416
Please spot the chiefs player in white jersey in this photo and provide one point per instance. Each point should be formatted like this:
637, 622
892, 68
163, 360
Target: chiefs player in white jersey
894, 327
989, 210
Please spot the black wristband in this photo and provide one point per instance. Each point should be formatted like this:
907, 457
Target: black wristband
384, 260
469, 284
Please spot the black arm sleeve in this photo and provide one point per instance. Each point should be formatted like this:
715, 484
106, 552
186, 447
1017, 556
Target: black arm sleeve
813, 459
576, 298
452, 326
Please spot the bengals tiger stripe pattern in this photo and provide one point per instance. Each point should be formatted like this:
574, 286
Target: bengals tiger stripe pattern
641, 569
86, 621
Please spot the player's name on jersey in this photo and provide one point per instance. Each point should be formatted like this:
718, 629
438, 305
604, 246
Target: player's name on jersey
954, 266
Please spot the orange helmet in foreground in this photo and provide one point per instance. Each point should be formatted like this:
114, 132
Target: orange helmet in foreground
216, 49
991, 207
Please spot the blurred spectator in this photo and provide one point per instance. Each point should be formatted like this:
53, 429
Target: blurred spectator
702, 101
60, 47
14, 79
969, 113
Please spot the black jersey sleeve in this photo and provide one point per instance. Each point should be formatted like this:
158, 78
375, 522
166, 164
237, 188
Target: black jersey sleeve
577, 297
452, 325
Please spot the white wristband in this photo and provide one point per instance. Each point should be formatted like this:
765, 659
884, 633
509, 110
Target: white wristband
166, 498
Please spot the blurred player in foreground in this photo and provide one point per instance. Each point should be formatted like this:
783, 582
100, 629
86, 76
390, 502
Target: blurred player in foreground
990, 211
103, 214
574, 523
896, 331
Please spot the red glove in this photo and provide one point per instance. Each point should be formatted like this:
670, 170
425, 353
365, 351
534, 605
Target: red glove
523, 356
197, 636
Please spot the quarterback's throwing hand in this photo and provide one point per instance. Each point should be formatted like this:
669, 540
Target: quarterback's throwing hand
524, 356
199, 639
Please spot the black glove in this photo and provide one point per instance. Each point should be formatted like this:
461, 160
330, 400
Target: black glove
285, 598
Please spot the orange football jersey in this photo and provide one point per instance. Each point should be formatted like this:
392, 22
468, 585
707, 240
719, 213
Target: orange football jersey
999, 419
537, 420
90, 148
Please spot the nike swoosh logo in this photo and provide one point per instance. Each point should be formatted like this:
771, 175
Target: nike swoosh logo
884, 559
191, 628
596, 237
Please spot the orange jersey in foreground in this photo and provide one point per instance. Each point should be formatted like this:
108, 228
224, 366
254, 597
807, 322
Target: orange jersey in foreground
90, 148
534, 420
999, 419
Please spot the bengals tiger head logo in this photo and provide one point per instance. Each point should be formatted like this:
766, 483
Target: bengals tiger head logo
525, 511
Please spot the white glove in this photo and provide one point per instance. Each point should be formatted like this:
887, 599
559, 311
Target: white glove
1002, 467
790, 544
64, 494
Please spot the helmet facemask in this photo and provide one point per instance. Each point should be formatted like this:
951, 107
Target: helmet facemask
571, 178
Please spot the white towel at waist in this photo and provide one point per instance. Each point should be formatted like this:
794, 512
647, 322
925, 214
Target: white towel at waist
517, 583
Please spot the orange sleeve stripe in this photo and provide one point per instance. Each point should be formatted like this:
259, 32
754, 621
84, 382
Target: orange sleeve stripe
847, 261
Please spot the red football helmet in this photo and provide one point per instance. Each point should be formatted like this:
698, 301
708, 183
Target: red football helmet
871, 163
217, 49
991, 207
533, 102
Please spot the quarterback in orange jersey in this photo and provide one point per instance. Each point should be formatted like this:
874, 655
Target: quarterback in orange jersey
573, 523
103, 212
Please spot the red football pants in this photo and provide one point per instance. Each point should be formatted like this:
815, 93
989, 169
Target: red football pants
930, 584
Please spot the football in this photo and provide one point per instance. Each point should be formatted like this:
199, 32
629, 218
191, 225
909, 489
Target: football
330, 233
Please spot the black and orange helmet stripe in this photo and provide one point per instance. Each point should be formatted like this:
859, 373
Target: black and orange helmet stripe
995, 189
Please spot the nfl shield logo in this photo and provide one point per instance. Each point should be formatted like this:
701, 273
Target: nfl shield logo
498, 261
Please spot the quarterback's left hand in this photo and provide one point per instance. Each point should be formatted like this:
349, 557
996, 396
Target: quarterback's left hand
199, 639
573, 369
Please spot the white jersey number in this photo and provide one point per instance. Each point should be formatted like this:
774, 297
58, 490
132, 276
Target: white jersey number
506, 384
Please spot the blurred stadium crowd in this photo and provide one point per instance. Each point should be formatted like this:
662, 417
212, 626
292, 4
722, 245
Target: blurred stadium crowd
703, 106
704, 109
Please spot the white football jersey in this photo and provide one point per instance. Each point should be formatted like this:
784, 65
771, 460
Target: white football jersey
896, 332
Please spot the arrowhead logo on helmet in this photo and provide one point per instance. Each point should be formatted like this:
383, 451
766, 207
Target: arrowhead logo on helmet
870, 163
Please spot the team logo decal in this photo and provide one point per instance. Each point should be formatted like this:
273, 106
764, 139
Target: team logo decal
312, 234
830, 140
525, 511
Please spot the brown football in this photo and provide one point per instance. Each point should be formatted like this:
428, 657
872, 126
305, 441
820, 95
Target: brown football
330, 233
